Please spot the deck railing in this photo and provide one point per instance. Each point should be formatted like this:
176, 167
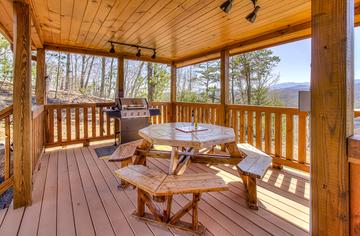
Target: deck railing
38, 133
205, 113
6, 126
278, 131
77, 123
166, 112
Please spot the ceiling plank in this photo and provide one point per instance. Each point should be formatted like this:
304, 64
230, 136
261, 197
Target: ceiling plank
268, 36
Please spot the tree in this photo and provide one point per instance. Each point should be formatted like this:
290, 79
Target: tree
251, 76
102, 85
209, 76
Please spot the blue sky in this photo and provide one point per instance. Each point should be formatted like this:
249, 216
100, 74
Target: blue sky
296, 58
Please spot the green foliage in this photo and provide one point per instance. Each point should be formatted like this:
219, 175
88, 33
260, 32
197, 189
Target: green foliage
6, 61
251, 76
161, 82
199, 83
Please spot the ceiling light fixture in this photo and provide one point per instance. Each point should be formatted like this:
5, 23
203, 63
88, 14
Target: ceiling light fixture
112, 49
138, 54
252, 16
226, 6
138, 47
154, 55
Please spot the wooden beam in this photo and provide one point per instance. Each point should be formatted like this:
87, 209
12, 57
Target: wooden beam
22, 105
173, 91
224, 82
5, 33
332, 88
120, 78
101, 53
40, 87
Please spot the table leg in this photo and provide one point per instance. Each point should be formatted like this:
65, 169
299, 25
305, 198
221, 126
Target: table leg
173, 160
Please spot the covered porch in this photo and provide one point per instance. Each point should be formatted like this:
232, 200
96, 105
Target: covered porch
59, 189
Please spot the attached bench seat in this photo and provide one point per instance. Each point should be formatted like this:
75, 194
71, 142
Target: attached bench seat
252, 167
153, 183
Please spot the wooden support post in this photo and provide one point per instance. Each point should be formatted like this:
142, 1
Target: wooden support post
224, 80
22, 105
173, 92
119, 94
224, 86
40, 88
332, 88
120, 78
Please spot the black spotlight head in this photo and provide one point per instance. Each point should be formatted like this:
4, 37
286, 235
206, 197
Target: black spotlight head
138, 54
112, 49
252, 16
226, 6
154, 55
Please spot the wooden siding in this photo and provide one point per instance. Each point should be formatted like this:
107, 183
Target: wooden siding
75, 193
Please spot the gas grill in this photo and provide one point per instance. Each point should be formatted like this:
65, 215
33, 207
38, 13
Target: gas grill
133, 114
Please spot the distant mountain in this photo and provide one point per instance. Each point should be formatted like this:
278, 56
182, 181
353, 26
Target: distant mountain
287, 93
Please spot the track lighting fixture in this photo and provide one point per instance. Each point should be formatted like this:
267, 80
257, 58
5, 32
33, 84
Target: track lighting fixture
112, 49
154, 55
252, 16
138, 47
226, 6
138, 54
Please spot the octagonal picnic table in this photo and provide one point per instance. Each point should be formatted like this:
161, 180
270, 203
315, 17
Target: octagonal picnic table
186, 142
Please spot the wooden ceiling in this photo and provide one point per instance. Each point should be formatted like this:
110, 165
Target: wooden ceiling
180, 30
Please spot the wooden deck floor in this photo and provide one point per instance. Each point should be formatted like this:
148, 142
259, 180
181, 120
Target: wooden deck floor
75, 193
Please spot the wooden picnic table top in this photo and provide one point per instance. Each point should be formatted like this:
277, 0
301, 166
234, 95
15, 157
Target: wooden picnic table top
169, 134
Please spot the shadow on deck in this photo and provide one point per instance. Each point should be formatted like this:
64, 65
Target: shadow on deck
75, 193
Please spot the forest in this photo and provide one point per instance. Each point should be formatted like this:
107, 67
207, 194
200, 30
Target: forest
74, 78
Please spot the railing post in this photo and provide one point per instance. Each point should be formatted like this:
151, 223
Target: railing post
173, 92
22, 105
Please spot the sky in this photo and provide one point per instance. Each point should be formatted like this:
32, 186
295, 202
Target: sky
296, 58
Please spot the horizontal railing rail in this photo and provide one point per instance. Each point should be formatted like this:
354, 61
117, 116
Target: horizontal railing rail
77, 123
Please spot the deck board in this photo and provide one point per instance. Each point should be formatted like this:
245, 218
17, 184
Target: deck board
83, 222
65, 215
75, 193
47, 224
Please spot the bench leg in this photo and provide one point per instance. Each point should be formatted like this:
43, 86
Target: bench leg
140, 204
124, 163
250, 185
